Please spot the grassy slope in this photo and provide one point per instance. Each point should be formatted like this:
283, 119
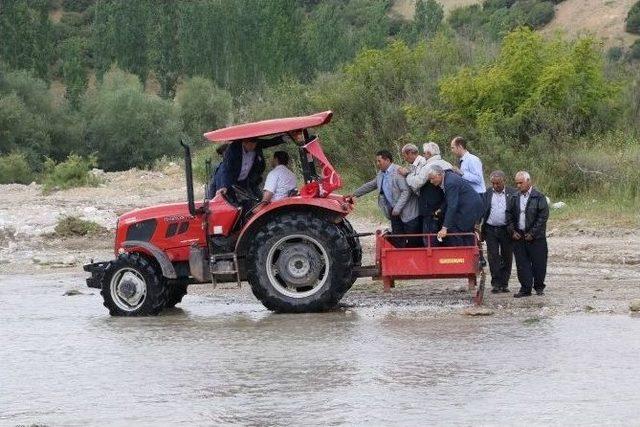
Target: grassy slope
604, 18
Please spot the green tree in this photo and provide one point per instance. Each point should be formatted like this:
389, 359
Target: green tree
127, 127
203, 107
164, 56
534, 86
427, 18
74, 73
120, 30
26, 35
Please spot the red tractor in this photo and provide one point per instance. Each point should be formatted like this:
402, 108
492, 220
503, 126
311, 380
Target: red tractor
299, 254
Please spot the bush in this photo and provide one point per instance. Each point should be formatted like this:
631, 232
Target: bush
615, 53
34, 122
127, 127
633, 19
492, 5
540, 14
73, 172
14, 168
203, 107
467, 20
534, 86
70, 226
634, 51
77, 5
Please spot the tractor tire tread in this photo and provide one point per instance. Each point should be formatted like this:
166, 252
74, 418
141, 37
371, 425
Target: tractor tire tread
337, 248
156, 286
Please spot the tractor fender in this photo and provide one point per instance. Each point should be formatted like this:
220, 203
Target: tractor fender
163, 260
331, 206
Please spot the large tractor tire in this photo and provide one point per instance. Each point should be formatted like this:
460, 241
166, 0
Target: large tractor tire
175, 292
132, 286
356, 248
299, 263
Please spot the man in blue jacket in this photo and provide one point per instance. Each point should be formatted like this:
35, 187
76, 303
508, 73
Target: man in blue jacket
463, 206
243, 165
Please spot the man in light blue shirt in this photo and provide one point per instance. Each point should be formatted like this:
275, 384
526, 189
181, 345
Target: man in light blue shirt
470, 165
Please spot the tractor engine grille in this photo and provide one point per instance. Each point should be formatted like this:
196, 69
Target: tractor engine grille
142, 230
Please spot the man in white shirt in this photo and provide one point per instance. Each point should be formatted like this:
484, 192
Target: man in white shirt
280, 181
470, 165
494, 231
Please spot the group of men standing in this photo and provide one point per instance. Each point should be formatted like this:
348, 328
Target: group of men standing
432, 196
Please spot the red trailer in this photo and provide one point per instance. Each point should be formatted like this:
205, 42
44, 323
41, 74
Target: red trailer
428, 262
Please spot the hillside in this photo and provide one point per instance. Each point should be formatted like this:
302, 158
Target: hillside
604, 18
405, 7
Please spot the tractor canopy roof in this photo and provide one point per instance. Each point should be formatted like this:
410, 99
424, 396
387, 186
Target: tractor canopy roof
267, 128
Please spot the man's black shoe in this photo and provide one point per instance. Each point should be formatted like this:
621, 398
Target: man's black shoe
539, 292
505, 290
522, 294
496, 290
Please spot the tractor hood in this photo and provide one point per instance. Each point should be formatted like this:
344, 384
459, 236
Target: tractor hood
169, 212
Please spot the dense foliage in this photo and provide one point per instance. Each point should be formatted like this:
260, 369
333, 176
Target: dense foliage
633, 19
123, 83
494, 18
127, 127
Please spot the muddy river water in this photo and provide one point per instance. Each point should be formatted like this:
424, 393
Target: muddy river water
64, 361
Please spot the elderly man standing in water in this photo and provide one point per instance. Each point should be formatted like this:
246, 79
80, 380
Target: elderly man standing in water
527, 215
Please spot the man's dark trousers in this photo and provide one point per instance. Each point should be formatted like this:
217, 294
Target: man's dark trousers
411, 227
500, 254
531, 263
430, 225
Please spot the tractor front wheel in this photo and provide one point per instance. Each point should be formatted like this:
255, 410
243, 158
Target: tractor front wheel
131, 286
175, 292
299, 263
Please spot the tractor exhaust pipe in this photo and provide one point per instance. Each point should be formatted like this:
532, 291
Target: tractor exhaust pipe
188, 171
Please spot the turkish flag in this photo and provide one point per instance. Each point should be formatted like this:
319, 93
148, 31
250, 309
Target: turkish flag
330, 178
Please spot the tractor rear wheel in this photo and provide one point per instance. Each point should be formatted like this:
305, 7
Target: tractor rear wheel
356, 247
299, 262
132, 286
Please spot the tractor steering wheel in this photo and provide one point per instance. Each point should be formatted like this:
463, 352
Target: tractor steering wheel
245, 194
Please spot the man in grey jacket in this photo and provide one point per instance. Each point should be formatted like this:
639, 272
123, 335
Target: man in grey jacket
430, 197
395, 198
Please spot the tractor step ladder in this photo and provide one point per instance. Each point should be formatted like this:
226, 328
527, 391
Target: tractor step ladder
215, 271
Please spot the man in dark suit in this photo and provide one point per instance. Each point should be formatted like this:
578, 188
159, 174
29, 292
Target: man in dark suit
494, 231
463, 206
242, 165
527, 216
